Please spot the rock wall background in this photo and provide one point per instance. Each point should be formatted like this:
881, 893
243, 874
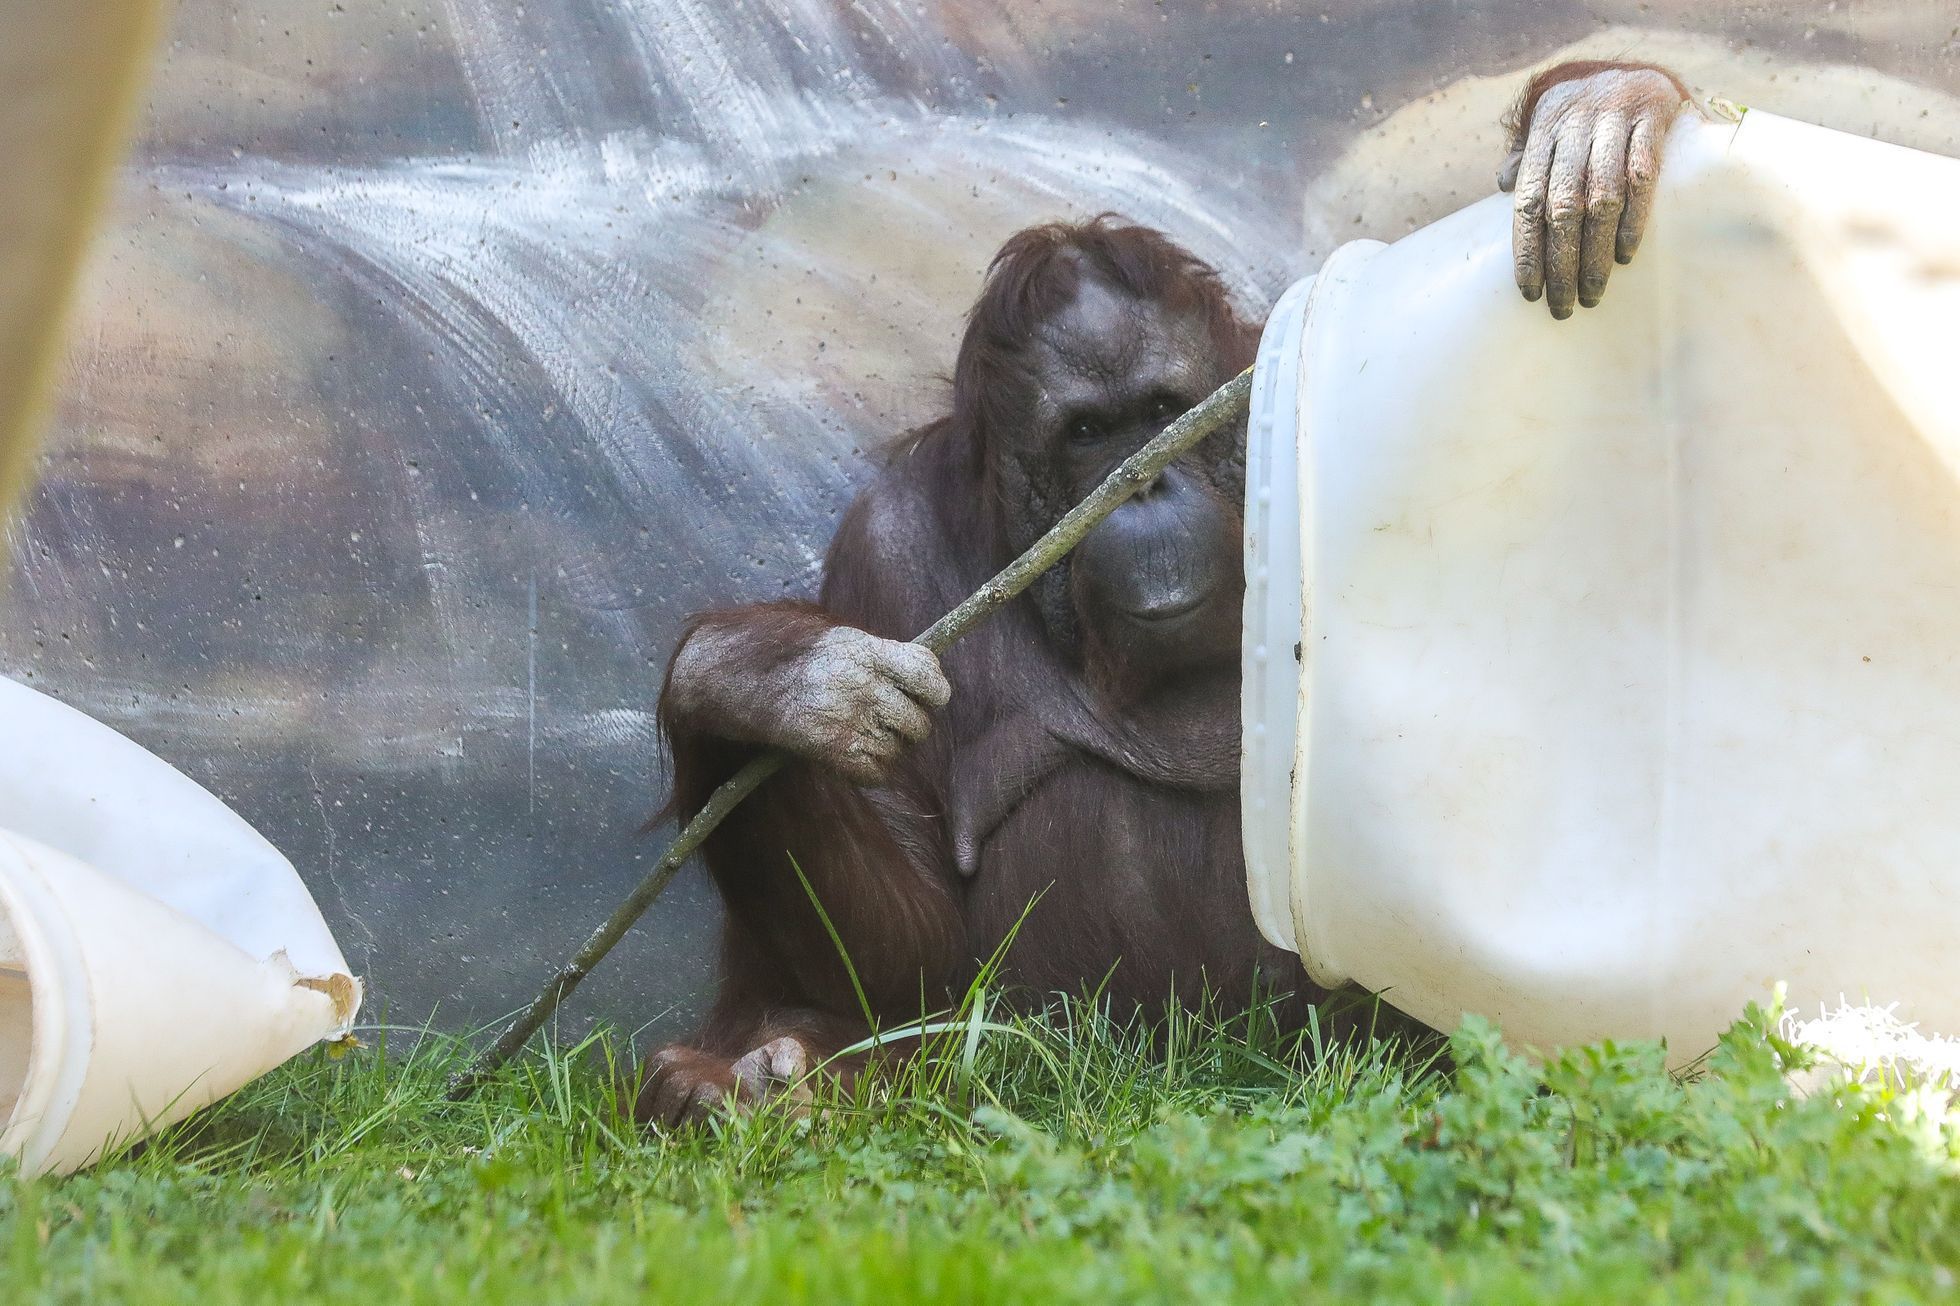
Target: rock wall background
443, 354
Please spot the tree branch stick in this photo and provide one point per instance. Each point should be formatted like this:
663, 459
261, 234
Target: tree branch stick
1224, 405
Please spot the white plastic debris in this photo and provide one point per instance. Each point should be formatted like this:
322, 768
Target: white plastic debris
156, 953
1602, 673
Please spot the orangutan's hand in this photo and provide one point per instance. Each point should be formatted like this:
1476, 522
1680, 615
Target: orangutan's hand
1582, 179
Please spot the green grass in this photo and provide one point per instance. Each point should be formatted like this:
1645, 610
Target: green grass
1061, 1158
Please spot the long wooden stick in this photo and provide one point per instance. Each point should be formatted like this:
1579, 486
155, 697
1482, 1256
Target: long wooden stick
1140, 469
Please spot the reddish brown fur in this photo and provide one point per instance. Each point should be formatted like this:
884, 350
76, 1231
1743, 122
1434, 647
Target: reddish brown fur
1036, 272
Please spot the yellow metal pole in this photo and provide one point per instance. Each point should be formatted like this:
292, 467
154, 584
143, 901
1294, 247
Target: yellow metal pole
72, 72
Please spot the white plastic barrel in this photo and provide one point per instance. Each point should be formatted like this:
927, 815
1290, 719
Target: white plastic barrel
156, 953
1601, 674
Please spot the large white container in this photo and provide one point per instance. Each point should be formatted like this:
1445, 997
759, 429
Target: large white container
156, 953
1602, 673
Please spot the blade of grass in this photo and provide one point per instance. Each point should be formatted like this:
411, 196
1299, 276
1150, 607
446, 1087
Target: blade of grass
837, 942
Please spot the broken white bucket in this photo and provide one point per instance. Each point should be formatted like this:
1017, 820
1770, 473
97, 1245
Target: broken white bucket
1602, 673
156, 953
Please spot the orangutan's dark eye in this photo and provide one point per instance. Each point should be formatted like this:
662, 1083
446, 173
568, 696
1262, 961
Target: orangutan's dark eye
1164, 407
1083, 429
